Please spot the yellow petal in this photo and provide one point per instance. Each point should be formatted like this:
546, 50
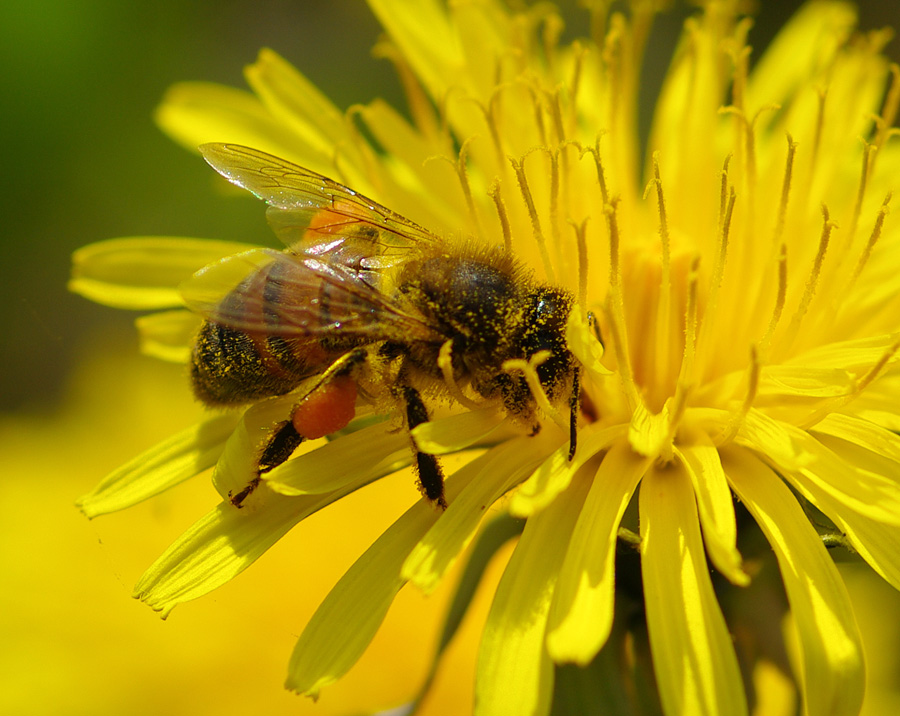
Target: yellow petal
459, 431
297, 102
221, 545
554, 475
168, 334
194, 113
515, 673
142, 273
502, 468
803, 459
426, 40
366, 454
832, 652
239, 463
348, 618
693, 657
582, 610
179, 458
701, 460
807, 43
861, 432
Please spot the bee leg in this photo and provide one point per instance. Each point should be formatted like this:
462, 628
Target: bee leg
431, 477
574, 409
284, 440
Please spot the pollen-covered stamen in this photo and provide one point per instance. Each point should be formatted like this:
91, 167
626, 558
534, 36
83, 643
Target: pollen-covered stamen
690, 327
581, 243
554, 200
528, 369
873, 239
495, 194
785, 192
708, 327
812, 282
822, 96
518, 166
868, 155
601, 175
861, 384
748, 127
445, 363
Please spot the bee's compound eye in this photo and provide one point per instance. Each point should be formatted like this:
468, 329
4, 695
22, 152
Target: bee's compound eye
327, 409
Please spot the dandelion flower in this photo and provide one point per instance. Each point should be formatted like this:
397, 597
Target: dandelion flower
736, 319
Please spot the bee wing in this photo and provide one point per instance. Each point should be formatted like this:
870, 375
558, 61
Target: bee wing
287, 294
308, 210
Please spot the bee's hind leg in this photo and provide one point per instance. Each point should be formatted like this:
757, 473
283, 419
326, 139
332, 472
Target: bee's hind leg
282, 443
431, 477
326, 408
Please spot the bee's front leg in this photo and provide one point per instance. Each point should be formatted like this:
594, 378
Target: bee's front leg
431, 477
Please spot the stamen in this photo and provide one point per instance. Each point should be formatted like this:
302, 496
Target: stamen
601, 175
578, 53
811, 283
749, 128
868, 153
889, 111
553, 28
445, 363
615, 309
726, 212
663, 323
461, 166
554, 102
581, 243
519, 168
723, 193
420, 107
820, 128
494, 193
779, 300
538, 112
490, 117
785, 190
690, 323
737, 420
370, 165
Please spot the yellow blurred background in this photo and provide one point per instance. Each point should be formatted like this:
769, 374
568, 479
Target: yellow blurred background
82, 161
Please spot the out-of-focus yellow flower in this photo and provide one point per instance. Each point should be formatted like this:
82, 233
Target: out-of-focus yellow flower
745, 288
74, 643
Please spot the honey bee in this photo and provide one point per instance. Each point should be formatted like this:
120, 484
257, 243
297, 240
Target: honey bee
364, 300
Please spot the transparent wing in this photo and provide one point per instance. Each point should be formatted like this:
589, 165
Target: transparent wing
285, 294
308, 210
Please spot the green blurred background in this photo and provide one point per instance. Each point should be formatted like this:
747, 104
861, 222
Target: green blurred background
83, 161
